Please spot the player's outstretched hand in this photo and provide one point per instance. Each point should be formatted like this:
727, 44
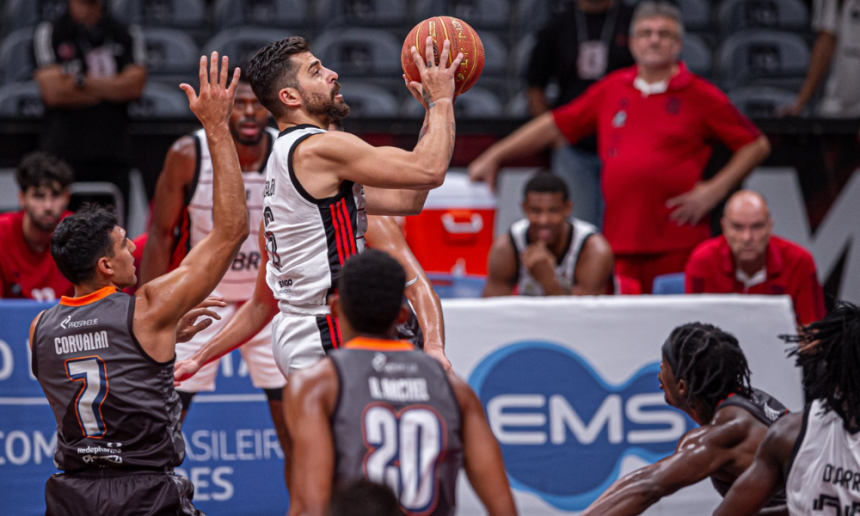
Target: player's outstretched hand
184, 370
214, 103
186, 328
437, 80
484, 169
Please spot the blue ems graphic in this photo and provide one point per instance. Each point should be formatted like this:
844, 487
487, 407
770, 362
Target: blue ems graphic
563, 430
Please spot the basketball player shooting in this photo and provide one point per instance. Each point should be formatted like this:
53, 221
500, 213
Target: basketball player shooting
705, 374
816, 454
314, 206
379, 399
130, 433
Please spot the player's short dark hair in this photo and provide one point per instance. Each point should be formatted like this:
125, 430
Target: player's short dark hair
545, 182
830, 367
709, 360
364, 498
273, 69
43, 169
80, 240
371, 289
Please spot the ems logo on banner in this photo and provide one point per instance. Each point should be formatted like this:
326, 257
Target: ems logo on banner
564, 431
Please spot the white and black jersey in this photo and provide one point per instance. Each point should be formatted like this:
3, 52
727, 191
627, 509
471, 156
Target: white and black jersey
565, 268
196, 223
308, 239
824, 470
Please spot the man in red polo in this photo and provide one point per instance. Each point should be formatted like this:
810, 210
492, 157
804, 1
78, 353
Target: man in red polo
655, 124
747, 259
27, 269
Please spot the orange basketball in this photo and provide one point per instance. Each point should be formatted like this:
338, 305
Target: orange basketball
463, 39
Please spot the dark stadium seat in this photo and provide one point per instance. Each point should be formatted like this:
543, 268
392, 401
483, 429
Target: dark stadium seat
696, 55
242, 43
761, 101
668, 284
369, 101
518, 106
102, 192
521, 54
362, 13
21, 99
737, 15
496, 55
170, 53
160, 101
480, 14
19, 14
359, 52
532, 15
695, 13
271, 13
477, 103
16, 56
160, 13
762, 56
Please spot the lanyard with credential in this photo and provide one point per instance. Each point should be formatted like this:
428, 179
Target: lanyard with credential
593, 56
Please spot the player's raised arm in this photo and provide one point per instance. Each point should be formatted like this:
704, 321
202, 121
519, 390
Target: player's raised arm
350, 158
163, 301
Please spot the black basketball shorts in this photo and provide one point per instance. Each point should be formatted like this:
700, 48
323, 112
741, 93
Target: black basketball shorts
119, 493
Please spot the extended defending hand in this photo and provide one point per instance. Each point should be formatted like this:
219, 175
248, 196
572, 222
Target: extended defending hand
214, 104
186, 328
437, 81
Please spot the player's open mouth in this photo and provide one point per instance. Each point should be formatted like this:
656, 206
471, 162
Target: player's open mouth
338, 96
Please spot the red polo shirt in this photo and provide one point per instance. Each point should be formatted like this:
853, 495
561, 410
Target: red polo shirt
23, 272
653, 148
790, 270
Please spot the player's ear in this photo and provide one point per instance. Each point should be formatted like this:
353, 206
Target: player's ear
404, 314
568, 208
104, 267
682, 388
290, 97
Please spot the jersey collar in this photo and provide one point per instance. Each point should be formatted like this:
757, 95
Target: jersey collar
88, 299
379, 344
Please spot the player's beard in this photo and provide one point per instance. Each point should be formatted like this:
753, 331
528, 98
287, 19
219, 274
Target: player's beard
44, 227
326, 106
239, 138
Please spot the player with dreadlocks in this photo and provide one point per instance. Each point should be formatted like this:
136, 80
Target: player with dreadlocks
815, 454
705, 374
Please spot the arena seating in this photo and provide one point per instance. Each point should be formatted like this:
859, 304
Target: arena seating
734, 43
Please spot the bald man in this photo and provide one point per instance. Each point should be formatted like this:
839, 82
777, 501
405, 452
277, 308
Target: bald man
748, 259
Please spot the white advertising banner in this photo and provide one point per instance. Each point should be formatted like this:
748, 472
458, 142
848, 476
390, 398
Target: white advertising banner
570, 387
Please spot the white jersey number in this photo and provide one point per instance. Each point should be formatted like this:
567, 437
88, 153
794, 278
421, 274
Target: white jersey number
404, 453
88, 405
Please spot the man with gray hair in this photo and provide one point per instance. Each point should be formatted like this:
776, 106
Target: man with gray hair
655, 123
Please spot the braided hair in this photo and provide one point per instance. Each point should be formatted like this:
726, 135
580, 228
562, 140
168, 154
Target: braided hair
830, 366
709, 360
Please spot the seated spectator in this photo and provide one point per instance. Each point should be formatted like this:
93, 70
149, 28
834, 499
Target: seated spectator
549, 253
747, 259
27, 269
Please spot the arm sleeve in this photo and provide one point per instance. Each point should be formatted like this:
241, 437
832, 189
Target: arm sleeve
724, 122
695, 274
43, 45
578, 118
540, 69
825, 16
809, 298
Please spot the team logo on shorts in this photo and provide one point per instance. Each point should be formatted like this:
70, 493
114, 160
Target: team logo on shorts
564, 431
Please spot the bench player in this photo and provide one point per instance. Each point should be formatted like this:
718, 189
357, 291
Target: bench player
705, 374
105, 359
184, 218
378, 409
316, 182
816, 454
